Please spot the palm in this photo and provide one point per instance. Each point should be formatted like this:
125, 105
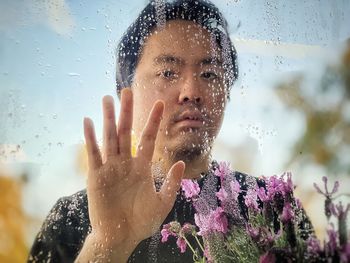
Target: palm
121, 193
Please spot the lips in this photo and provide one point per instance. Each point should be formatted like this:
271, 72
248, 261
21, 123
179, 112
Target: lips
190, 119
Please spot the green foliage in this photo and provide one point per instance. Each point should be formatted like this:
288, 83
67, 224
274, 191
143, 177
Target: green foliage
241, 247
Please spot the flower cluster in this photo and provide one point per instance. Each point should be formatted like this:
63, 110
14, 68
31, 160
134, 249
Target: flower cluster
175, 229
336, 247
257, 220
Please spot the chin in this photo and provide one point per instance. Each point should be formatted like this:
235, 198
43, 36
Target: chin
190, 142
188, 139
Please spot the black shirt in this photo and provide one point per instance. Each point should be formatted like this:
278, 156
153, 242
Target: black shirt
67, 225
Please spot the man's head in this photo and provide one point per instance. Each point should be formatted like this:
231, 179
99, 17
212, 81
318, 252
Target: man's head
180, 54
154, 16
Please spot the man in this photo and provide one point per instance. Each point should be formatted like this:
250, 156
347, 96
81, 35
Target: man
175, 67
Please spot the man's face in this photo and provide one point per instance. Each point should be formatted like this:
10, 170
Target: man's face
181, 65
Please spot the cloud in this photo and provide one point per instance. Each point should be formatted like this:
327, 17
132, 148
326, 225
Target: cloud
25, 13
270, 48
59, 17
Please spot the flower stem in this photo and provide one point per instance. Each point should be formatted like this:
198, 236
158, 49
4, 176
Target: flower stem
199, 243
192, 249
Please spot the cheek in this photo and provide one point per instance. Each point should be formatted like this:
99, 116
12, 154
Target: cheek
154, 88
217, 98
215, 107
142, 108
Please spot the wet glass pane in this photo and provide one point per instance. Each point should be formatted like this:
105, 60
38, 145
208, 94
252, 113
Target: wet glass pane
288, 110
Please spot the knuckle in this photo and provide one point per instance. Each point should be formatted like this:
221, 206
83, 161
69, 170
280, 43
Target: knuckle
123, 129
148, 137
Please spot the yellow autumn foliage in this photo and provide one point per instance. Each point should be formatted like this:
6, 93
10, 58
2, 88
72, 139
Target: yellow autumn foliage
13, 221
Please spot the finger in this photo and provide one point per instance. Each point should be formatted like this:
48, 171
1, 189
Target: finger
172, 183
110, 141
125, 122
93, 152
146, 147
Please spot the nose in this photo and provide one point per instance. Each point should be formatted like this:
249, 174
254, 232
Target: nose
190, 90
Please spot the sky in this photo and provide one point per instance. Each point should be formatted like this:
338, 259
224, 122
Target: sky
57, 61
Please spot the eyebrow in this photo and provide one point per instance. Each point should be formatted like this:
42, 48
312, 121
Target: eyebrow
211, 61
170, 59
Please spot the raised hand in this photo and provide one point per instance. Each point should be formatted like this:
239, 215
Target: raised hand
124, 207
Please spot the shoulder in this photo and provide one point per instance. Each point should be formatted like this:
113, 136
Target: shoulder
68, 211
63, 231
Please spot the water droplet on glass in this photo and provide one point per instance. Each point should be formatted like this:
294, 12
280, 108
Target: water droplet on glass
73, 74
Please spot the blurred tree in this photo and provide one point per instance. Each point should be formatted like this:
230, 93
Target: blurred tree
326, 140
13, 221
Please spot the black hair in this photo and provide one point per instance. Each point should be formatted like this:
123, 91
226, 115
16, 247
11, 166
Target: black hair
154, 15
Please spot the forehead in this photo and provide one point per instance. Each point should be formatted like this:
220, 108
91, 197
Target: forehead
183, 39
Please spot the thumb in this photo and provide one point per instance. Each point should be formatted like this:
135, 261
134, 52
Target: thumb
172, 183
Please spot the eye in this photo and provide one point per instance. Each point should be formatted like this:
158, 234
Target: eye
168, 74
209, 75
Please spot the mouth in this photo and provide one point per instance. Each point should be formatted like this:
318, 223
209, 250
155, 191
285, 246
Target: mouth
190, 120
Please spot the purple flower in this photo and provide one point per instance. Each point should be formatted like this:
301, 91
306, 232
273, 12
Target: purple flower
263, 237
278, 186
187, 228
269, 238
268, 257
191, 188
332, 240
339, 210
250, 200
341, 213
287, 213
253, 232
165, 235
168, 230
181, 244
215, 221
345, 253
223, 170
313, 245
261, 192
222, 195
326, 193
274, 186
235, 189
